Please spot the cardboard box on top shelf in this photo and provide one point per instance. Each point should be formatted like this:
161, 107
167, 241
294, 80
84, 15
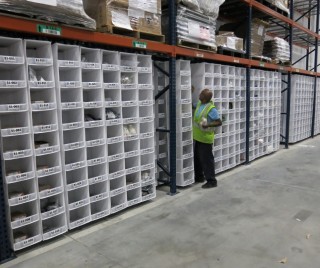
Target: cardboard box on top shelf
143, 15
229, 40
258, 33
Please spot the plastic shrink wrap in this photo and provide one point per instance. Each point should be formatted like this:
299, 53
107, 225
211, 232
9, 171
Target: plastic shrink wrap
138, 15
65, 11
277, 49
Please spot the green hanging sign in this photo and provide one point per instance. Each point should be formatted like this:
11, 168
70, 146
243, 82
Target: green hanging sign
53, 30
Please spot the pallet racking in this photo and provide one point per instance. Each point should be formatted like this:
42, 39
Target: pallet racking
282, 25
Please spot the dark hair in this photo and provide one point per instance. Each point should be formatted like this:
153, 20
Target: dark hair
208, 94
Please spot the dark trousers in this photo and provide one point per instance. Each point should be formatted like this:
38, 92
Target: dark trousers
204, 161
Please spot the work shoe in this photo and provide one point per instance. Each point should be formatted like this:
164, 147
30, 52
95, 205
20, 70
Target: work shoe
209, 184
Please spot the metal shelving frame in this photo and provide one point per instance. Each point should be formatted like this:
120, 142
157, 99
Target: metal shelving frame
281, 25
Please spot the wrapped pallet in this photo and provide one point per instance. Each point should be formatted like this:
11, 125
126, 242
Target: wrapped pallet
281, 4
278, 50
195, 23
134, 15
66, 11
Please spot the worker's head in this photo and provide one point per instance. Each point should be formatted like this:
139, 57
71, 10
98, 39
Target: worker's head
205, 96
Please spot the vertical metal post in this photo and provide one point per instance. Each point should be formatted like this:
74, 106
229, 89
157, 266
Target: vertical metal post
6, 252
316, 70
248, 78
289, 80
172, 97
308, 49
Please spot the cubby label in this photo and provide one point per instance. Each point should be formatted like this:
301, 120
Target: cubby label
28, 241
92, 84
15, 131
9, 58
77, 184
48, 171
45, 128
40, 60
44, 106
11, 83
25, 221
53, 212
96, 161
98, 197
79, 203
144, 69
47, 150
71, 105
21, 176
98, 179
55, 232
14, 107
70, 84
80, 222
75, 145
46, 29
17, 154
23, 198
76, 165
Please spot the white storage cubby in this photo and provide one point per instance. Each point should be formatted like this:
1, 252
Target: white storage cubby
133, 180
91, 59
110, 60
76, 67
134, 197
13, 99
97, 174
54, 227
116, 168
100, 209
301, 110
117, 186
99, 191
26, 236
79, 217
76, 179
118, 202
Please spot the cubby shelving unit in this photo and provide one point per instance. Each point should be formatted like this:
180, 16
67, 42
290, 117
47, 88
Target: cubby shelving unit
46, 140
78, 91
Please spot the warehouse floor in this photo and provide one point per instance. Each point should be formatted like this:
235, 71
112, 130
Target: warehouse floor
259, 215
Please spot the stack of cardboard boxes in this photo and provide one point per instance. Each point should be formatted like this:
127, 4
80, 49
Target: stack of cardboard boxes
137, 15
258, 34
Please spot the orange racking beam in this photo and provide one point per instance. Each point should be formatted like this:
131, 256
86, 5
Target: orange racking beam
200, 54
30, 26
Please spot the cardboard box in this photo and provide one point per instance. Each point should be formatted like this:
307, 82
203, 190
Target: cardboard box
229, 40
258, 33
123, 14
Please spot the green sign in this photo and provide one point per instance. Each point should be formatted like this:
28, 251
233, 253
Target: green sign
49, 29
261, 64
138, 44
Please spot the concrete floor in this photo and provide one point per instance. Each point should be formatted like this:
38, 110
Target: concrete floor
259, 215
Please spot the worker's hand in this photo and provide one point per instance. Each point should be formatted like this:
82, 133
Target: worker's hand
204, 125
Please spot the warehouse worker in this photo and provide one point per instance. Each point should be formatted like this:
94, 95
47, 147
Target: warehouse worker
206, 117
